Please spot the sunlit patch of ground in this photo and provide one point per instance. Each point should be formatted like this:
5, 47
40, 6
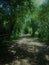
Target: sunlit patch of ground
28, 51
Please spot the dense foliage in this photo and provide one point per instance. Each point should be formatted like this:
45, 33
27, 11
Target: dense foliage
12, 14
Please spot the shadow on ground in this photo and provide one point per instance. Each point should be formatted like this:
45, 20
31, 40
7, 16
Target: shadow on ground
19, 53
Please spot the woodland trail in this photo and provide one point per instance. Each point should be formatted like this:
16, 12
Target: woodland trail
28, 43
29, 51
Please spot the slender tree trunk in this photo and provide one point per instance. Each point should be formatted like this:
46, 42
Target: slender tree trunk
33, 32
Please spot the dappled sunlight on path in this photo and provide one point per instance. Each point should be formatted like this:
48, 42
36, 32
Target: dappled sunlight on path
28, 51
30, 41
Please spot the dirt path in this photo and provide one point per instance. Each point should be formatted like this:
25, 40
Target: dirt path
29, 51
30, 44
